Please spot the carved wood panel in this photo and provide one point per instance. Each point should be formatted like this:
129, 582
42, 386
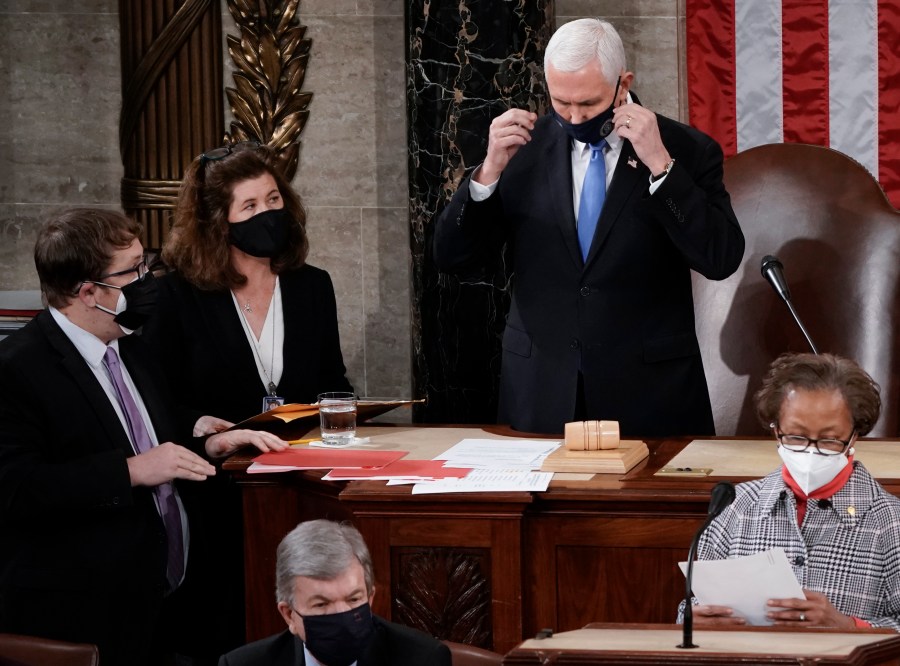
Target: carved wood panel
445, 592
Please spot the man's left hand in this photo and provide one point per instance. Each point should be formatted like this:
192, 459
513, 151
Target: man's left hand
639, 126
225, 443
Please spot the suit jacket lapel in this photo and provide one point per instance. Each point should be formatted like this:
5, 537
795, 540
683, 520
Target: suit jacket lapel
558, 161
73, 363
625, 180
153, 400
228, 334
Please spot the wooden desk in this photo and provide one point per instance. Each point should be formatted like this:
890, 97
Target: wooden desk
656, 644
491, 569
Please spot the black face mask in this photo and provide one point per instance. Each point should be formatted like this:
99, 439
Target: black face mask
263, 235
140, 302
598, 127
339, 639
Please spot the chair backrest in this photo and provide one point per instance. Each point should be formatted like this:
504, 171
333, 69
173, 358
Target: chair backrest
825, 217
34, 651
469, 655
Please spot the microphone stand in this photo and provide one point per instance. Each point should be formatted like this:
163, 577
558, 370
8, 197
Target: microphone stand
771, 270
722, 495
802, 327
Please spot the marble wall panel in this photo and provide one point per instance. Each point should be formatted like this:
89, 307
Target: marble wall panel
335, 242
60, 108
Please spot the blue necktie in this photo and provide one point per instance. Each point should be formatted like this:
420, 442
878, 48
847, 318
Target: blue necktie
593, 194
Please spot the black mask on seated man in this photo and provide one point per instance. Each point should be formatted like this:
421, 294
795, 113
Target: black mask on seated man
598, 127
263, 235
339, 639
137, 302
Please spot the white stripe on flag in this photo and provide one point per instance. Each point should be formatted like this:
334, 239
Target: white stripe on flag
758, 78
853, 79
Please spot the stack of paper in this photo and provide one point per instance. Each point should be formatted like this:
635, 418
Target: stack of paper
499, 466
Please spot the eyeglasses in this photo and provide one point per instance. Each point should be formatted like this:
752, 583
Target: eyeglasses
141, 269
827, 446
224, 151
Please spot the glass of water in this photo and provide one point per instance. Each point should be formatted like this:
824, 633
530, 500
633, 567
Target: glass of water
337, 417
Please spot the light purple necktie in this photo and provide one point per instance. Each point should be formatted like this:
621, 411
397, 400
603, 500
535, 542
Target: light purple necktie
165, 493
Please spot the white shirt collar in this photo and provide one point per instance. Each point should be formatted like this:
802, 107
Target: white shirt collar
91, 348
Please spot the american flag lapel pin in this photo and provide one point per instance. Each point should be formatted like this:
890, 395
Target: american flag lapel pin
632, 163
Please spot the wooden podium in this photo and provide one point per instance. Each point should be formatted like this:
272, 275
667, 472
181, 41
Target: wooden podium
657, 644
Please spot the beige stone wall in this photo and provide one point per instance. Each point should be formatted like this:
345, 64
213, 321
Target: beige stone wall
60, 93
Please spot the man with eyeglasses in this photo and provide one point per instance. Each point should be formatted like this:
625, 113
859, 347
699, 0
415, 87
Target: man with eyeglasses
95, 533
839, 528
324, 585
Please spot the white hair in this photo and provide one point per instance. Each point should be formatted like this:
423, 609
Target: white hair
575, 44
320, 549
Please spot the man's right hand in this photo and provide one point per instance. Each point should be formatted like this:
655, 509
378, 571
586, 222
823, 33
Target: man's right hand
509, 132
165, 463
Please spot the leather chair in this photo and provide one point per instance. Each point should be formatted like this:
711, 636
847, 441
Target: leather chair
16, 650
468, 655
828, 221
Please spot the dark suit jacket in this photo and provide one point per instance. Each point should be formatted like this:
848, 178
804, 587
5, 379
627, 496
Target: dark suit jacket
625, 316
84, 554
200, 342
393, 645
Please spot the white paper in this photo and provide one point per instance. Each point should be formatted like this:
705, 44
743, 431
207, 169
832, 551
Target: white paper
488, 481
745, 583
522, 454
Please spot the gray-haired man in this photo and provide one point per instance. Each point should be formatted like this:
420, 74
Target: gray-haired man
324, 588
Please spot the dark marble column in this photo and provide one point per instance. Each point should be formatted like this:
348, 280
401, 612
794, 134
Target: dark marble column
467, 62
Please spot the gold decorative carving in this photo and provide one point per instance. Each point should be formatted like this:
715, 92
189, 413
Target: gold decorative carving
270, 59
444, 592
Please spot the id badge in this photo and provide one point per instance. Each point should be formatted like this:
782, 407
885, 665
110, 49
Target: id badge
270, 402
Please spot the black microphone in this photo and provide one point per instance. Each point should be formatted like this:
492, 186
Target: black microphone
771, 270
722, 495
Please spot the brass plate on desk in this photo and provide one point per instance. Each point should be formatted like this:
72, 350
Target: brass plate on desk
684, 471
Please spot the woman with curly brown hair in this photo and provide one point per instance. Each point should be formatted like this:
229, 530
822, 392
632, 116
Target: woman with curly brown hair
243, 321
243, 317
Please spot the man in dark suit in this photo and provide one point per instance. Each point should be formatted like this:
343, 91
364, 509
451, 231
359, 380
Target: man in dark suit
324, 586
601, 324
95, 533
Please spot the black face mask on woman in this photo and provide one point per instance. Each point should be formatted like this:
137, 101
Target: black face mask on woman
263, 235
339, 639
598, 127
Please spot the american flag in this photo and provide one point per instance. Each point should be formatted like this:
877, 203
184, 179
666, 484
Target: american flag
825, 72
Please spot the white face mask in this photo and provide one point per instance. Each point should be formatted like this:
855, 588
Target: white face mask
121, 304
811, 470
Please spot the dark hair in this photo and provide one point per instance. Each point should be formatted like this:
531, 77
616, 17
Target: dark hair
197, 245
822, 372
77, 244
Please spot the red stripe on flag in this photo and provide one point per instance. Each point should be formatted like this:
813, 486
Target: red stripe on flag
710, 70
804, 47
889, 99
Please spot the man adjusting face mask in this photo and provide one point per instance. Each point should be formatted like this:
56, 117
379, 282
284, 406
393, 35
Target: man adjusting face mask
598, 127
